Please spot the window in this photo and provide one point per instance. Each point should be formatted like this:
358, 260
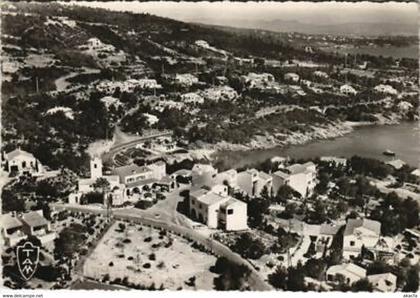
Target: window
351, 243
200, 206
95, 165
330, 277
192, 202
230, 211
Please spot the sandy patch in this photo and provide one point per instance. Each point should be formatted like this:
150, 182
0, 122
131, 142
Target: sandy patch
147, 256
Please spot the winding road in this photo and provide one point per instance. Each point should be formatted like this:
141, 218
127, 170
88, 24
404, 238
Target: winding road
164, 215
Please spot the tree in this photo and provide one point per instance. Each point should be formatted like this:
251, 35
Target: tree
265, 193
256, 210
10, 202
412, 281
362, 285
296, 278
69, 241
103, 186
322, 185
278, 278
46, 190
315, 268
320, 212
249, 247
231, 276
284, 193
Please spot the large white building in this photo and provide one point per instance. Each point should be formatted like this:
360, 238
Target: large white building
218, 210
360, 233
21, 162
86, 185
300, 177
125, 180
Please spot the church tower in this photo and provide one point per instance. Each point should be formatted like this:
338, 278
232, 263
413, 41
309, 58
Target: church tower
95, 168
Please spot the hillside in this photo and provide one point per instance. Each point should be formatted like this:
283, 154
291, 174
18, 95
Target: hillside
58, 62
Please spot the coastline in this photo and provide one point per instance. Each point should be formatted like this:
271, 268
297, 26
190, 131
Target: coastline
317, 133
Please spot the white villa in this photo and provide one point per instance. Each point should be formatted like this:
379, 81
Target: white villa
300, 177
136, 178
321, 74
218, 210
291, 77
219, 93
229, 176
35, 224
416, 173
185, 79
16, 228
387, 89
360, 233
11, 229
348, 90
192, 98
128, 85
252, 182
396, 163
350, 272
21, 162
254, 80
385, 282
338, 161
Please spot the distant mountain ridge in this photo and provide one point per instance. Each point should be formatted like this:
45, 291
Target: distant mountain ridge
362, 28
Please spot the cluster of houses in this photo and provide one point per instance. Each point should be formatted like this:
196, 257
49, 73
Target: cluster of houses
124, 183
350, 273
211, 204
15, 228
130, 85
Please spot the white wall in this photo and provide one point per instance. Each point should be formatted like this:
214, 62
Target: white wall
238, 220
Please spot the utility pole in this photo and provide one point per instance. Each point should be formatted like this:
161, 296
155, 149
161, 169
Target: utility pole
36, 84
345, 66
289, 258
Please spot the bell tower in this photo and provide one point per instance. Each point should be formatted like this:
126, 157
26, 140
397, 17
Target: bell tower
95, 168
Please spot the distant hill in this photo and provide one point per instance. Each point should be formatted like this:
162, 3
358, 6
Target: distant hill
365, 28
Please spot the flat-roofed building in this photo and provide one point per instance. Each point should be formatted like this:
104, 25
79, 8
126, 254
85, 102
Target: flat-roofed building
300, 177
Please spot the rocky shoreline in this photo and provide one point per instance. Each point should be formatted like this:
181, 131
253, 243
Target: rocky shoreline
329, 131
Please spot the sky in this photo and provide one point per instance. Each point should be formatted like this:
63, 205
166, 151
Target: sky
306, 12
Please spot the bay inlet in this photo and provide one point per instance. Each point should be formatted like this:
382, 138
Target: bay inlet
366, 141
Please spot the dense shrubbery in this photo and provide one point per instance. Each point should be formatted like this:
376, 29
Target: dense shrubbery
231, 276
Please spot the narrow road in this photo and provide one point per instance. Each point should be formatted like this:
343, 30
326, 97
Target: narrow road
61, 84
109, 156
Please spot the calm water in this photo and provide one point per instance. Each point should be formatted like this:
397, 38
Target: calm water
403, 139
395, 52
